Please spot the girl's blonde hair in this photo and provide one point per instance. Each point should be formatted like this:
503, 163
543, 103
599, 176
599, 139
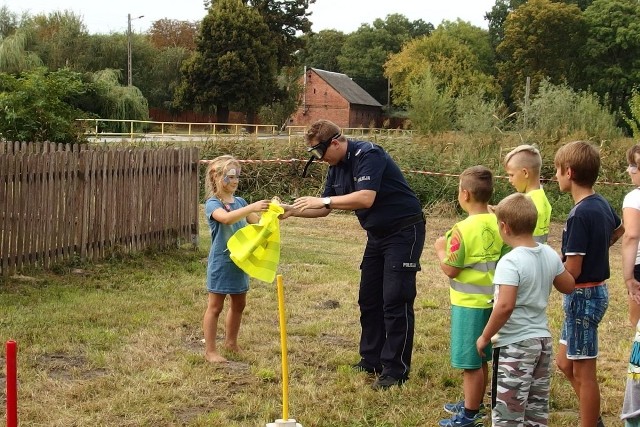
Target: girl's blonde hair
216, 171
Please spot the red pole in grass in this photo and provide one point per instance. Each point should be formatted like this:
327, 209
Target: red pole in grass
12, 384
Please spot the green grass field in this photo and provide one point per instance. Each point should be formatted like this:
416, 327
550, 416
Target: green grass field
118, 343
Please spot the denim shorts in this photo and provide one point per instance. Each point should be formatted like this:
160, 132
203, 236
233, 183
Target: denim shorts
584, 308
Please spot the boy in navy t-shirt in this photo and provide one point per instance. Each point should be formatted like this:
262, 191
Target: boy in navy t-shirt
592, 226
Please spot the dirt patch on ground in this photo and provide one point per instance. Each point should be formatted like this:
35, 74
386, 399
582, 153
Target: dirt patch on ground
192, 339
186, 415
68, 367
337, 341
329, 304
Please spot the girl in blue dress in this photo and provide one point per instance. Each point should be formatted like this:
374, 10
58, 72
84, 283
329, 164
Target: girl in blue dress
226, 213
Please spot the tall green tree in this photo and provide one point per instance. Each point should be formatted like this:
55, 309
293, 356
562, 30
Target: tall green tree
285, 19
234, 66
611, 54
476, 38
497, 17
451, 64
322, 49
501, 9
542, 39
367, 49
42, 105
168, 33
60, 39
163, 75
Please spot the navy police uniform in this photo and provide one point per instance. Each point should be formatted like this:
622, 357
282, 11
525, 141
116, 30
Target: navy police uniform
395, 228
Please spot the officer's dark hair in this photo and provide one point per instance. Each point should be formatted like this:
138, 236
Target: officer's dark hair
519, 212
477, 180
322, 130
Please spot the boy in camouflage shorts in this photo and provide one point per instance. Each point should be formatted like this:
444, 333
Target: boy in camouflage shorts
518, 325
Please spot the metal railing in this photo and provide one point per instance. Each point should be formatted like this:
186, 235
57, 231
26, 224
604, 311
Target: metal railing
99, 128
142, 128
300, 130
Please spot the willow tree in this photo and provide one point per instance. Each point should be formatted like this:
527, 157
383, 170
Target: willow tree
14, 56
111, 100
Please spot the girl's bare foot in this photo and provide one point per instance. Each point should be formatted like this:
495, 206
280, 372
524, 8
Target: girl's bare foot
235, 348
214, 358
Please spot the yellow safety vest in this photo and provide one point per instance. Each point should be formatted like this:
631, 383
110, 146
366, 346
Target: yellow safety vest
480, 243
541, 233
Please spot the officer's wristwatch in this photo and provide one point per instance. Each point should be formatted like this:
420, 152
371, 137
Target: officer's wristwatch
327, 202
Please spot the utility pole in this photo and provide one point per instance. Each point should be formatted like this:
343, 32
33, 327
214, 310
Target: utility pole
527, 90
129, 79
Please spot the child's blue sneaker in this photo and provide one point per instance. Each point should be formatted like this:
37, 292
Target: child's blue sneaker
459, 420
455, 407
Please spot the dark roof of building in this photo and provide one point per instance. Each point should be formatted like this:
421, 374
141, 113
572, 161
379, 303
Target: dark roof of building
346, 87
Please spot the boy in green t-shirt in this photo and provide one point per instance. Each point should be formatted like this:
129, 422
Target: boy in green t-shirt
468, 254
523, 165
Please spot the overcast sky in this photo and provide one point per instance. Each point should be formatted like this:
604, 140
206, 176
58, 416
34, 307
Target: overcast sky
105, 16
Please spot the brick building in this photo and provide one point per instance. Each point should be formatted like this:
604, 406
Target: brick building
335, 97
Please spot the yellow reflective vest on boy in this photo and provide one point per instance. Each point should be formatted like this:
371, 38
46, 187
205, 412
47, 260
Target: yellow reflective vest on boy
541, 233
475, 246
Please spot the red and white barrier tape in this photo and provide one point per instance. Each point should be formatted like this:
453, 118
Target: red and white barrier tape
451, 175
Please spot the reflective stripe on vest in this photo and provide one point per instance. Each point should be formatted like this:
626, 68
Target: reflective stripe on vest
468, 288
483, 267
541, 239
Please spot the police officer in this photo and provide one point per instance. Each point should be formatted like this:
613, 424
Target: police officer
362, 177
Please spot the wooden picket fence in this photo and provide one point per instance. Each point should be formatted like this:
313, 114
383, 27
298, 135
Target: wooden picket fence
71, 201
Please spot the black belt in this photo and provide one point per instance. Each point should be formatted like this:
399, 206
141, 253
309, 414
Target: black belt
381, 232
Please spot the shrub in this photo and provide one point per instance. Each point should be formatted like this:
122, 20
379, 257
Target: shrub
431, 165
477, 115
430, 109
634, 107
37, 106
557, 111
